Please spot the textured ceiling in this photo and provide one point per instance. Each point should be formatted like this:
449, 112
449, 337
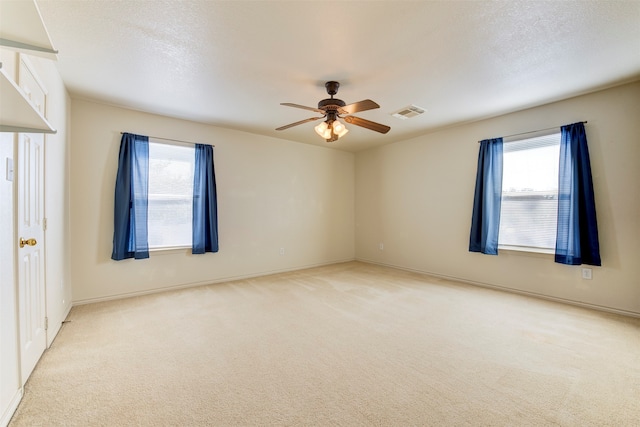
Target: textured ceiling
231, 63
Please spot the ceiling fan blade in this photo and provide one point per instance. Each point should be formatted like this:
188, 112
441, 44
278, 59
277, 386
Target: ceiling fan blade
299, 123
288, 104
367, 124
356, 107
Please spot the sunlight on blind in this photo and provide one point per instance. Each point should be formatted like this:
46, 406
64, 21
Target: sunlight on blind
528, 217
171, 169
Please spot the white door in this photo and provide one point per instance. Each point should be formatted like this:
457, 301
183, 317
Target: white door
31, 286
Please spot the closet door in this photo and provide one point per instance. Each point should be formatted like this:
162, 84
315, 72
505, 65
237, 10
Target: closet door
31, 277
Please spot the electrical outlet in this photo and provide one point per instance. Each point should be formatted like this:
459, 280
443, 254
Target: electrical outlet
381, 246
587, 273
281, 251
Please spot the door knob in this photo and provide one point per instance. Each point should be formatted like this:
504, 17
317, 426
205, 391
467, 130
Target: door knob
30, 242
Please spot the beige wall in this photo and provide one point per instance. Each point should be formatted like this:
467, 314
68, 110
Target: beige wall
416, 196
272, 194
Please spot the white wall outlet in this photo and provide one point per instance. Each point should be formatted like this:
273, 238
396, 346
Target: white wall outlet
281, 251
381, 246
587, 273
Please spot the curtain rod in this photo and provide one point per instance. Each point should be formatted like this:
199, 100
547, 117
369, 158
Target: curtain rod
532, 131
174, 140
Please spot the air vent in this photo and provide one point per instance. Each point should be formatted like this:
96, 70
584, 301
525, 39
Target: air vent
408, 112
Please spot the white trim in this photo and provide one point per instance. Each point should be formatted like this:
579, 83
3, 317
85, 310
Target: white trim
57, 327
204, 283
527, 249
532, 134
168, 250
511, 290
11, 408
167, 141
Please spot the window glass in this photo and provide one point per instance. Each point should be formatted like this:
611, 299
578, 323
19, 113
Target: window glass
528, 216
171, 169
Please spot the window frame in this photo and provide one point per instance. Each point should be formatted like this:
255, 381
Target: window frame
173, 248
518, 248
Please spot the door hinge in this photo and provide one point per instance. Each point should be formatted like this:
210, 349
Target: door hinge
44, 224
46, 323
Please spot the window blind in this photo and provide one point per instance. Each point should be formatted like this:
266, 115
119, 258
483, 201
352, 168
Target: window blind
171, 169
528, 217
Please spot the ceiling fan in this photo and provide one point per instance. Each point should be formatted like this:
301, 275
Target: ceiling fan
333, 109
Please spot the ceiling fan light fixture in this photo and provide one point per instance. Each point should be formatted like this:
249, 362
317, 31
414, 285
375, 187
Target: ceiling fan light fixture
322, 129
339, 128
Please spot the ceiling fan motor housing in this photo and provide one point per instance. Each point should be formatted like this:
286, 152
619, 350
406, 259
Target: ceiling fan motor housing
331, 104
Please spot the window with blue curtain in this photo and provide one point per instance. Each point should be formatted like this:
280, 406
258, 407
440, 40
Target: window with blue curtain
577, 231
485, 221
132, 209
131, 199
577, 240
205, 213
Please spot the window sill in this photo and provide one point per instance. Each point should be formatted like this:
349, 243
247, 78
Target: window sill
525, 250
170, 250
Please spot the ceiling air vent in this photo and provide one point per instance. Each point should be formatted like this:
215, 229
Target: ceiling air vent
408, 112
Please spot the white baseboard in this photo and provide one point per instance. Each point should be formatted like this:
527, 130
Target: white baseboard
511, 290
203, 283
52, 333
11, 408
399, 267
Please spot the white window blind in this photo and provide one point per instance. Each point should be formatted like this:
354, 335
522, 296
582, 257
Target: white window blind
171, 169
528, 217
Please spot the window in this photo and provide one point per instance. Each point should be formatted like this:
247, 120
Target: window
528, 216
170, 212
180, 177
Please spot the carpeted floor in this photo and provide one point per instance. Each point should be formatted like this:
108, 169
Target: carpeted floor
344, 345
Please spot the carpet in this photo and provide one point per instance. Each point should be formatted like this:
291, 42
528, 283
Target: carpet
349, 344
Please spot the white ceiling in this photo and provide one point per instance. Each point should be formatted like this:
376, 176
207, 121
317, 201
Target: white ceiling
231, 63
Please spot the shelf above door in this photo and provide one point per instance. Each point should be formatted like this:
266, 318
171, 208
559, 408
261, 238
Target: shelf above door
22, 29
17, 114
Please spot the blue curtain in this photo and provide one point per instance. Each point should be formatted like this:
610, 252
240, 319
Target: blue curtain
205, 208
577, 237
131, 199
487, 201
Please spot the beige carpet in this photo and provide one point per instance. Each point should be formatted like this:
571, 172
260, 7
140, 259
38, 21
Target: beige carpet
345, 345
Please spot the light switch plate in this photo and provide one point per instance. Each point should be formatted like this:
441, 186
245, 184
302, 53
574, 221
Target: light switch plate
9, 176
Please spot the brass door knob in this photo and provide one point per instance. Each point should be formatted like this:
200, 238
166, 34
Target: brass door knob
30, 242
